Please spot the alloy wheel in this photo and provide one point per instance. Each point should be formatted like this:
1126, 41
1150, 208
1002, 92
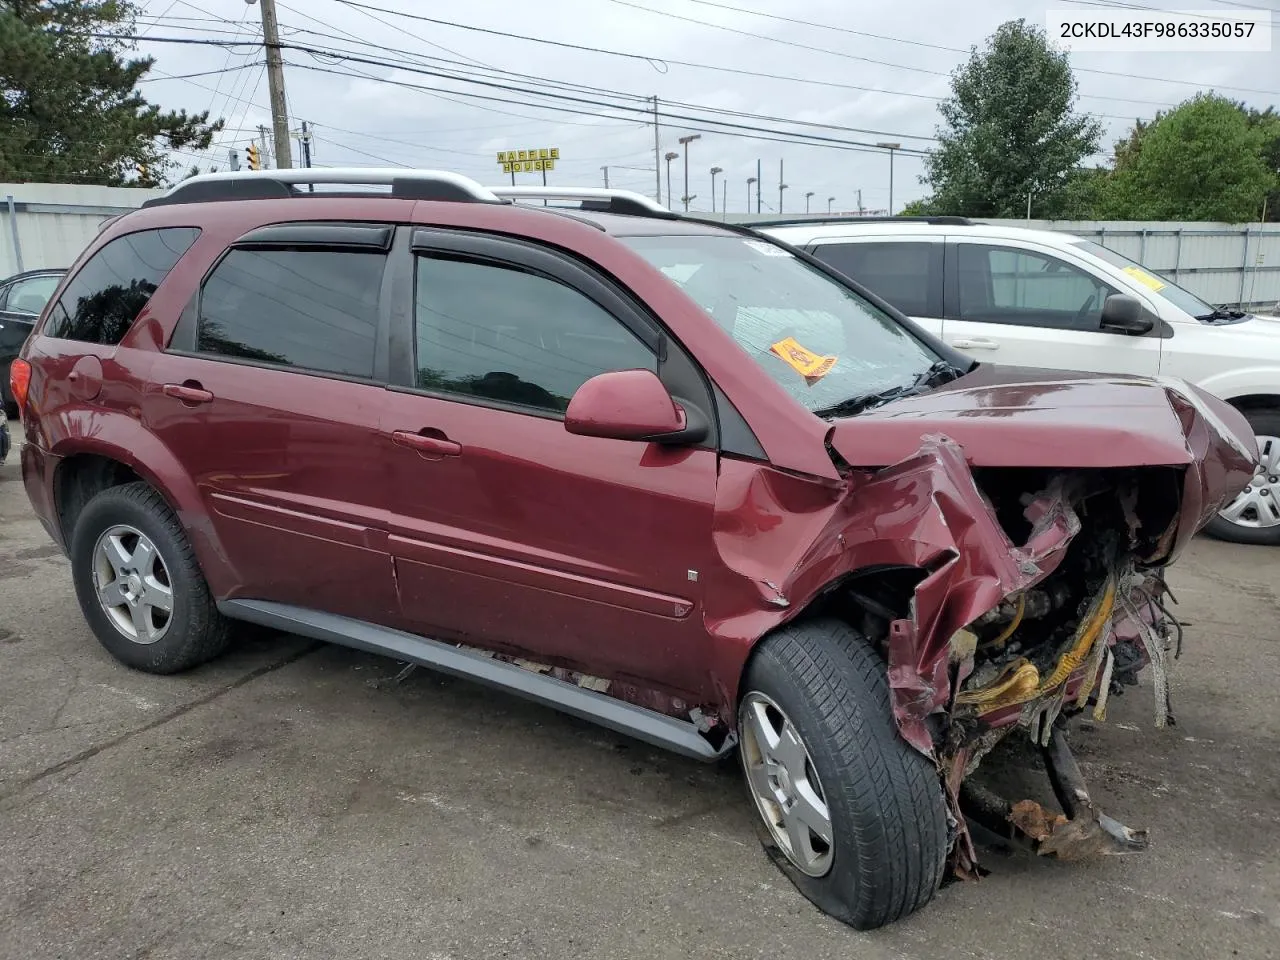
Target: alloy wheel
784, 784
132, 584
1258, 505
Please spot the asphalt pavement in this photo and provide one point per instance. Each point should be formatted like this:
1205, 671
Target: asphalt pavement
287, 801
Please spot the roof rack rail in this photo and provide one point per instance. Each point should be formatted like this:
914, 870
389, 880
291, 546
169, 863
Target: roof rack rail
797, 221
275, 184
598, 199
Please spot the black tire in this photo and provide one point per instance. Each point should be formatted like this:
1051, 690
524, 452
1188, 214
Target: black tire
887, 811
1264, 423
196, 631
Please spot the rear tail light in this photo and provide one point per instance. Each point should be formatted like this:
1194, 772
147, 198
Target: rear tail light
19, 382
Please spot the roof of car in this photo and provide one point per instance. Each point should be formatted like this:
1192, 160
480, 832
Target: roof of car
41, 272
816, 231
638, 225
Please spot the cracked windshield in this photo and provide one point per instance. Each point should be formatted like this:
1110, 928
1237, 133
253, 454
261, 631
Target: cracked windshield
821, 342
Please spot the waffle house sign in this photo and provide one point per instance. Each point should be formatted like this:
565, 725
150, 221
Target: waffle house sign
528, 161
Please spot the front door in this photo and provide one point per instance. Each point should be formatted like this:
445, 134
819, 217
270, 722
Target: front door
509, 532
271, 397
1015, 305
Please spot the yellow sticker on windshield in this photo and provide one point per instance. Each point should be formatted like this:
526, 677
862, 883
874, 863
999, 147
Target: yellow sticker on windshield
810, 365
1144, 278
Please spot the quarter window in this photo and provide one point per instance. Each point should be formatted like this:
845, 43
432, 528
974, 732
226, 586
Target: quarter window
502, 334
1007, 285
315, 310
107, 294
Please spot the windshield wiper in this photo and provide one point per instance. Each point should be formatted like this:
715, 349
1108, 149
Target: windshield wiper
934, 375
1220, 314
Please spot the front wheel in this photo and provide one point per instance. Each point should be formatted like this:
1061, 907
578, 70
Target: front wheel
1254, 515
848, 810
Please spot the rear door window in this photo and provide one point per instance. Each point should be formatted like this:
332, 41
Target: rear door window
908, 274
109, 291
315, 310
30, 295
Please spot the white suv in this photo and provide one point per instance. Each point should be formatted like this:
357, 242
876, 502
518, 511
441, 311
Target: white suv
1035, 298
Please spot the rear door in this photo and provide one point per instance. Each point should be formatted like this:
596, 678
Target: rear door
1012, 302
905, 271
271, 395
508, 531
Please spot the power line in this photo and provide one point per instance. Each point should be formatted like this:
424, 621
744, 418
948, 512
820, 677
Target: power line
702, 125
837, 53
796, 137
202, 73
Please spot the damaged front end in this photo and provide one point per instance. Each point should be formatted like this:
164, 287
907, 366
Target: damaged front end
1015, 597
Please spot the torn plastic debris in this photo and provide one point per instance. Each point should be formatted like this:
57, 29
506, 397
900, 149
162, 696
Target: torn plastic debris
1084, 832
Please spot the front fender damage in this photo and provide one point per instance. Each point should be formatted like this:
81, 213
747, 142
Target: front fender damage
995, 634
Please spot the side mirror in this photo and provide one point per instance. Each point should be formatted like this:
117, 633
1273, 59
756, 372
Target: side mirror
630, 405
1124, 314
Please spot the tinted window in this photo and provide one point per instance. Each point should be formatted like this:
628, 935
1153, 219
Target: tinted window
515, 337
30, 295
908, 275
113, 286
1006, 285
312, 309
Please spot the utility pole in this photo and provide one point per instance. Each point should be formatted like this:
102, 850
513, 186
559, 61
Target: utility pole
275, 82
890, 147
806, 201
305, 141
859, 201
657, 157
606, 178
781, 186
684, 142
714, 171
758, 182
264, 140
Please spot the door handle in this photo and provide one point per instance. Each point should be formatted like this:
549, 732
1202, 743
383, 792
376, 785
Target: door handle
189, 392
432, 443
974, 343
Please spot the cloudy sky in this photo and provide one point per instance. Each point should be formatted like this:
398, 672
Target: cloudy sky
873, 73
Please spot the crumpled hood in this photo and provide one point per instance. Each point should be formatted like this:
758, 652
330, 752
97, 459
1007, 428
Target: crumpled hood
1021, 417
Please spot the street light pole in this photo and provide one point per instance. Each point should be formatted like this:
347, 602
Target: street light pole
830, 200
890, 147
806, 201
684, 142
750, 181
669, 156
714, 171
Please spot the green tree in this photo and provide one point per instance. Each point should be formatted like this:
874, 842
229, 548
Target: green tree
69, 107
1207, 159
1010, 130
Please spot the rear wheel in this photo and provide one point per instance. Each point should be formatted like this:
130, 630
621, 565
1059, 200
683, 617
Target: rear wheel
848, 810
139, 585
1254, 515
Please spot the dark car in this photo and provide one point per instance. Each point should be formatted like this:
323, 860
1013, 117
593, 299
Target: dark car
665, 474
22, 297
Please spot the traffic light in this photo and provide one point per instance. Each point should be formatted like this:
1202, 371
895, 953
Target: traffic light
253, 156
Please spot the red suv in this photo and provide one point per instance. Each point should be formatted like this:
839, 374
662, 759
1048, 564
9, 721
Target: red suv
666, 474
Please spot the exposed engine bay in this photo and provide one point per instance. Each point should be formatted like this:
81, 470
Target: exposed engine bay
1093, 612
